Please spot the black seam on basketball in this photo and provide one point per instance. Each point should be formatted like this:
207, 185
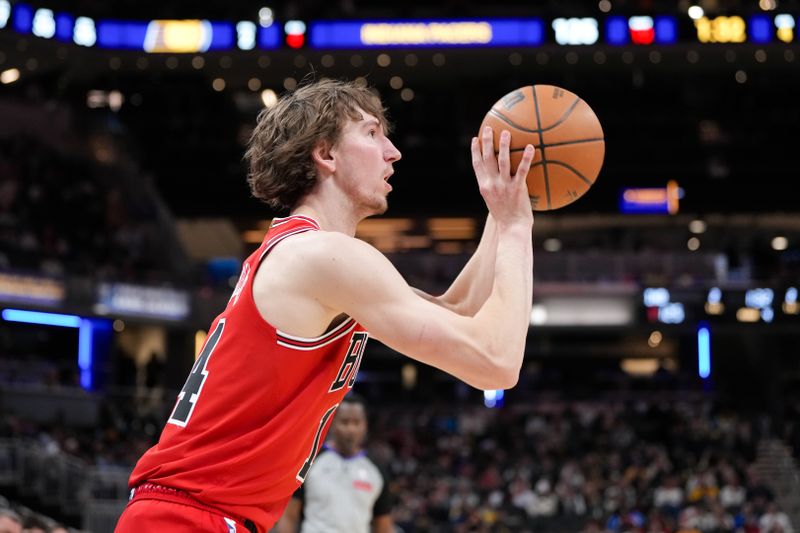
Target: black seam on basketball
509, 122
580, 141
565, 143
555, 162
542, 148
563, 117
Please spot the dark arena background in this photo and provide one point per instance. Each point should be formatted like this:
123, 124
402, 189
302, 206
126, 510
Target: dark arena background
661, 385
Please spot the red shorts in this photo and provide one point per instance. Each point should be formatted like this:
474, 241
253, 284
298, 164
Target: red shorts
155, 508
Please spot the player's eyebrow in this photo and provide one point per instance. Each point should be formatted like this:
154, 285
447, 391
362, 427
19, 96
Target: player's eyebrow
370, 122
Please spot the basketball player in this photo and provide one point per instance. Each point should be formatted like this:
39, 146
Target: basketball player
345, 491
256, 407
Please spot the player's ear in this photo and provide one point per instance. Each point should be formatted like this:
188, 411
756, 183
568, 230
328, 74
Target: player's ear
323, 158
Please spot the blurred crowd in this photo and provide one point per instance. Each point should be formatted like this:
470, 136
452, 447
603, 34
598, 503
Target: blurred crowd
569, 467
62, 213
552, 466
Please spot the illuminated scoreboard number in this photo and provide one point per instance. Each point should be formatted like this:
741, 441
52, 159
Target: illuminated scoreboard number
246, 34
721, 30
576, 31
44, 23
785, 25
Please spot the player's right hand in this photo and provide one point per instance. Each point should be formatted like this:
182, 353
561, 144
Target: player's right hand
506, 195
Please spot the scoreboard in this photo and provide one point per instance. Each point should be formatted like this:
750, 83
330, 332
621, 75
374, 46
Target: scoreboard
193, 36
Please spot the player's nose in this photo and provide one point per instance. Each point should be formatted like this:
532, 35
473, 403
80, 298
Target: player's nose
391, 152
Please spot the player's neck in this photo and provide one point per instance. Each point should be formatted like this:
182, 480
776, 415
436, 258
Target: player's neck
330, 215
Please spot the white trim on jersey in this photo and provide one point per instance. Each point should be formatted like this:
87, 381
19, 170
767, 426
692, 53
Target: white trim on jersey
283, 220
315, 346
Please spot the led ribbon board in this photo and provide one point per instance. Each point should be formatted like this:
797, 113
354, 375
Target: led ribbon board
197, 36
427, 33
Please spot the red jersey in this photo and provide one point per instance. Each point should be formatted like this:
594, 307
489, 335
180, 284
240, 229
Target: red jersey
257, 405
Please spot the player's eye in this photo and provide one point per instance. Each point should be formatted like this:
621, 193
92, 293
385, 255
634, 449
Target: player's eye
372, 133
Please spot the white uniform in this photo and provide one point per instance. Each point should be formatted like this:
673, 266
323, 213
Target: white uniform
342, 495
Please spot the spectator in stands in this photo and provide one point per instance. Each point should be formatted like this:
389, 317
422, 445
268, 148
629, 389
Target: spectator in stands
544, 503
757, 492
668, 497
702, 485
733, 494
10, 522
713, 518
775, 521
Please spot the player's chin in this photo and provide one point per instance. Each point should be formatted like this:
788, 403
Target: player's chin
380, 206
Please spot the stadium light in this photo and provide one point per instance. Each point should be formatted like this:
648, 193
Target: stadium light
269, 97
695, 12
703, 351
265, 17
780, 243
9, 76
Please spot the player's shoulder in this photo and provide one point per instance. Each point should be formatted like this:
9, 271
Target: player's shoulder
317, 249
323, 242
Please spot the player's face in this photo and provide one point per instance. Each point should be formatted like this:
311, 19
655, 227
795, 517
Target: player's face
349, 428
364, 158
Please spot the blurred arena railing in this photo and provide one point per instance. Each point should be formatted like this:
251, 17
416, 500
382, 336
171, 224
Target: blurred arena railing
68, 484
775, 463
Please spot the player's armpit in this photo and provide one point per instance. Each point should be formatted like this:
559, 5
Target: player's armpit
349, 275
290, 521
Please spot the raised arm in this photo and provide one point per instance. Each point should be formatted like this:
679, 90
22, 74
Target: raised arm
484, 350
474, 283
470, 289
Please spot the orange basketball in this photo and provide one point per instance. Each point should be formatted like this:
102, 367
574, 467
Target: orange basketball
566, 133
